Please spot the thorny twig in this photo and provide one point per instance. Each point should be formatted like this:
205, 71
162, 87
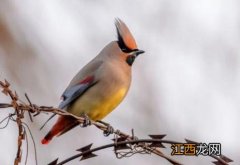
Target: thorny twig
19, 115
121, 140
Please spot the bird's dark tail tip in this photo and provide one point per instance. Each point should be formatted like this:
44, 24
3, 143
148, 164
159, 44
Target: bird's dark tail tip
47, 138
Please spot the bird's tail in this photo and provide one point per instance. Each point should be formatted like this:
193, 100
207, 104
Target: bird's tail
63, 124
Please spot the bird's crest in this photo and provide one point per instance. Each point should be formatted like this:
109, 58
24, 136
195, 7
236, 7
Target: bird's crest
125, 38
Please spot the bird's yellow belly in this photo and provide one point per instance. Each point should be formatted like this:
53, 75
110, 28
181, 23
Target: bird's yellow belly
96, 106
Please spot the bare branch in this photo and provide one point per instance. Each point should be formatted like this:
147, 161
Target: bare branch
124, 144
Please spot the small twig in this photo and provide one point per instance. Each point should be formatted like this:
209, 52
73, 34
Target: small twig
30, 103
19, 115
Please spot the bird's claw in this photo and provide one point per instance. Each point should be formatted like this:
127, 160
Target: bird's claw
86, 122
109, 130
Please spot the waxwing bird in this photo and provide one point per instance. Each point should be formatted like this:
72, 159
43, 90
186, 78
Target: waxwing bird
100, 85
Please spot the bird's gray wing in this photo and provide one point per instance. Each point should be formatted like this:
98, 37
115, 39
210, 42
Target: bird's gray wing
79, 84
74, 92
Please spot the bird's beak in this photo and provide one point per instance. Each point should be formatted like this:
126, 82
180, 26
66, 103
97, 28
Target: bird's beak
137, 52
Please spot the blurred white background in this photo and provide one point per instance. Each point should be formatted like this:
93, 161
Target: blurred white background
186, 85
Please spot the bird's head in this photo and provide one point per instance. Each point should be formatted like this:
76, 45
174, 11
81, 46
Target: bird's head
126, 42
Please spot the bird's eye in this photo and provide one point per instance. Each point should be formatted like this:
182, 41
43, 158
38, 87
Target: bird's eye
130, 59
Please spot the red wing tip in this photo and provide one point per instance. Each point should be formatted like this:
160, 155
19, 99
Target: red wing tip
45, 141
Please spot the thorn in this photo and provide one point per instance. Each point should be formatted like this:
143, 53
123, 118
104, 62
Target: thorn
217, 163
132, 132
85, 148
16, 95
46, 107
157, 144
88, 156
5, 91
7, 83
226, 159
173, 161
157, 136
30, 116
5, 105
190, 141
54, 162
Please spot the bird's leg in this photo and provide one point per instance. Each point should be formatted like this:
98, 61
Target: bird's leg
86, 121
109, 130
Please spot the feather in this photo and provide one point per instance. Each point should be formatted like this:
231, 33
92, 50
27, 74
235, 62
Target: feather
72, 93
126, 40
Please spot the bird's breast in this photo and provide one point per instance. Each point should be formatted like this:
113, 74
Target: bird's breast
105, 106
98, 103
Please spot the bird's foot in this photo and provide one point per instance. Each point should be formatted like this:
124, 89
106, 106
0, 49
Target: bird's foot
86, 122
109, 130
